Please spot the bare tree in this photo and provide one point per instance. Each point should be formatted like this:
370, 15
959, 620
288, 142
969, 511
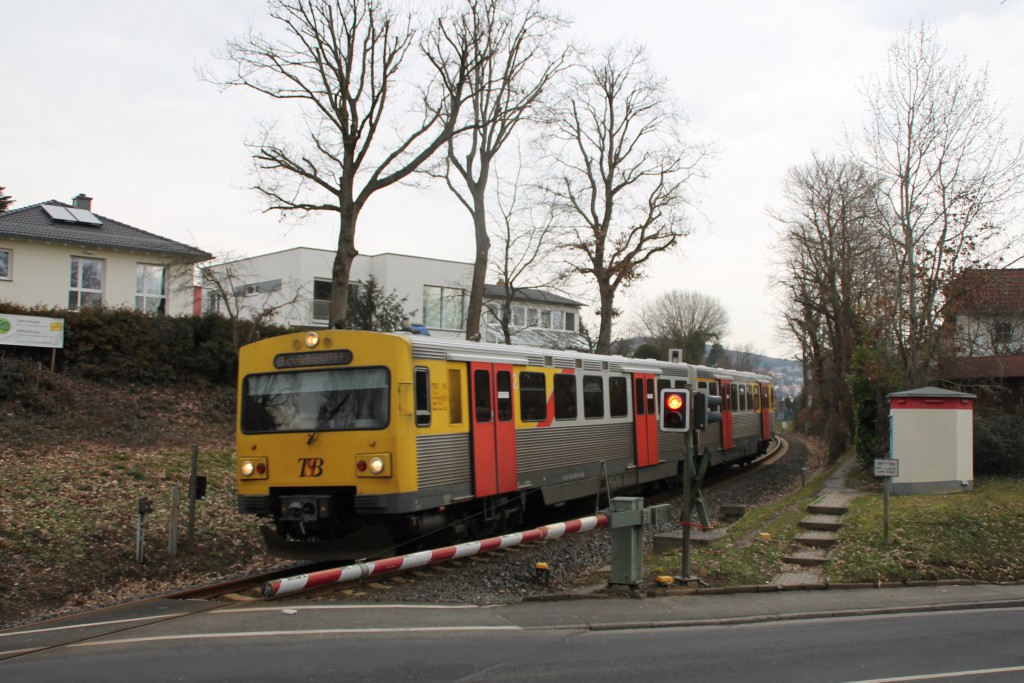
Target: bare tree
951, 180
512, 44
340, 61
230, 290
686, 320
833, 281
624, 172
523, 238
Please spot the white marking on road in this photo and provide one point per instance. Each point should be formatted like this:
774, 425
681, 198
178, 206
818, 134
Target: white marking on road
94, 624
940, 676
306, 632
243, 610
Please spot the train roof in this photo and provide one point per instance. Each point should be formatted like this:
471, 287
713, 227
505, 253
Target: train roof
440, 348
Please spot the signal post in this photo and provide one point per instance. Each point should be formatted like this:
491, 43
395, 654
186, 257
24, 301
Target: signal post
678, 406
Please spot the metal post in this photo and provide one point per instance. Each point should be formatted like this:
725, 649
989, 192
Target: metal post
885, 523
172, 543
693, 476
144, 506
193, 473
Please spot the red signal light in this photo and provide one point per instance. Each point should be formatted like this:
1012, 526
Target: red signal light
674, 401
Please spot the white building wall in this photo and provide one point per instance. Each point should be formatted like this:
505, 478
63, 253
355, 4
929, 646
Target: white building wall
40, 276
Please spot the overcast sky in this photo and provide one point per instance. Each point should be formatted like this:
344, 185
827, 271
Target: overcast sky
101, 97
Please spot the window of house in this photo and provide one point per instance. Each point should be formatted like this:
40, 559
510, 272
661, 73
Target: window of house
593, 396
532, 317
86, 288
518, 316
618, 397
532, 397
5, 264
565, 397
150, 288
558, 320
322, 300
443, 307
545, 319
570, 321
1003, 333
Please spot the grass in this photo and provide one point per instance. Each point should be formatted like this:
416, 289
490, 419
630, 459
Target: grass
960, 536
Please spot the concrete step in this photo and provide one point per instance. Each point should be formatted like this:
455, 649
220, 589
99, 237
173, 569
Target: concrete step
810, 578
807, 558
817, 539
822, 522
668, 541
832, 503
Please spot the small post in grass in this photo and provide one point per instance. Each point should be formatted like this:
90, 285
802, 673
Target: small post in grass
888, 468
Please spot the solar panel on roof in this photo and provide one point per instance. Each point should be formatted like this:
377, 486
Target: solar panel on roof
68, 214
83, 216
59, 213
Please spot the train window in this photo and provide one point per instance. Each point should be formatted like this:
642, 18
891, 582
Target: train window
316, 401
618, 397
482, 395
565, 397
663, 384
651, 402
755, 390
504, 382
734, 398
455, 397
593, 396
533, 396
638, 396
421, 385
702, 385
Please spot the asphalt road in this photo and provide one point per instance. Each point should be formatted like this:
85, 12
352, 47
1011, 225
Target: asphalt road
979, 645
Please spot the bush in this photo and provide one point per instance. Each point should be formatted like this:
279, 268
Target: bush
124, 345
998, 444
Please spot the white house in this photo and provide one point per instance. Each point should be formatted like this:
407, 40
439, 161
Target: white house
65, 256
293, 288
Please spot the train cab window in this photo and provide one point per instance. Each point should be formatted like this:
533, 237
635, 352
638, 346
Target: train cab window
421, 387
316, 401
593, 396
565, 397
482, 395
455, 397
533, 397
618, 396
503, 379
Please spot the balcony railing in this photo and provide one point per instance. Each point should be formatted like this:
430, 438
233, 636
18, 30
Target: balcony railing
321, 312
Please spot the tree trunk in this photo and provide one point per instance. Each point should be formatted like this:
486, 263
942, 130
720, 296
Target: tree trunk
483, 247
342, 268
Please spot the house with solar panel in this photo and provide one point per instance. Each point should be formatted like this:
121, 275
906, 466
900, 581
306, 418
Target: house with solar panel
61, 255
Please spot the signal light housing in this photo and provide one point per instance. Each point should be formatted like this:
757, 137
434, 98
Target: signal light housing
675, 410
703, 410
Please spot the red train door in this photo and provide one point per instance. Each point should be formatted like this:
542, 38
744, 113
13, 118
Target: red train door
727, 441
766, 412
493, 429
645, 420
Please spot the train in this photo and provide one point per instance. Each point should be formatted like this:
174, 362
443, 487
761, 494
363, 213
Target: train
354, 444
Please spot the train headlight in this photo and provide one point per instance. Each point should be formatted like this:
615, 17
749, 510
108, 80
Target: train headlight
312, 339
374, 465
253, 468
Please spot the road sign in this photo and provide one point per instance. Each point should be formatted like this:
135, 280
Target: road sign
887, 467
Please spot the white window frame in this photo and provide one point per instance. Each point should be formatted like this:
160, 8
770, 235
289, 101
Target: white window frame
7, 264
75, 287
143, 297
446, 298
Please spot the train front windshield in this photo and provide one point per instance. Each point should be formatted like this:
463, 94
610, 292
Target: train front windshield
316, 401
